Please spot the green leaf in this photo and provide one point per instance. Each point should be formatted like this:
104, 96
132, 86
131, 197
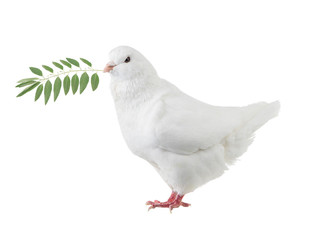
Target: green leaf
74, 83
56, 88
36, 71
47, 91
47, 68
28, 89
84, 79
94, 81
58, 65
86, 62
73, 62
65, 63
66, 84
27, 80
38, 92
25, 84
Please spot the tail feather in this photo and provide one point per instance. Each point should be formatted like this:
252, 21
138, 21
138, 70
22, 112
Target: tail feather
239, 140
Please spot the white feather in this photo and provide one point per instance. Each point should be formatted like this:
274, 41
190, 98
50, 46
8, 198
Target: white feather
187, 141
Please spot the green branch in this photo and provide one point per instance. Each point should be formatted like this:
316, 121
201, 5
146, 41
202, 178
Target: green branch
44, 84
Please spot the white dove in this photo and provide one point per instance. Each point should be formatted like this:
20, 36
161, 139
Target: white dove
188, 142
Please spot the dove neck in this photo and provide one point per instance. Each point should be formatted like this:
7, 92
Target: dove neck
135, 91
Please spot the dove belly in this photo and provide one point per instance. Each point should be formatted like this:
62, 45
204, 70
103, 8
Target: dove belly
183, 173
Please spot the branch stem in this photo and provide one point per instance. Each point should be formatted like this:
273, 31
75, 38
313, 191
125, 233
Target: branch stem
69, 71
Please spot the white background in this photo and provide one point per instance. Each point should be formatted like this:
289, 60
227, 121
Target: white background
65, 171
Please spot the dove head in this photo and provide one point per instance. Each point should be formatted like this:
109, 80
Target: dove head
127, 63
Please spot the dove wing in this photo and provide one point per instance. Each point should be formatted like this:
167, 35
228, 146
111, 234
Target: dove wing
187, 125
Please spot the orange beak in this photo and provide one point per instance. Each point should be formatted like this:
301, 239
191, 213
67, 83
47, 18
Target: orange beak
109, 67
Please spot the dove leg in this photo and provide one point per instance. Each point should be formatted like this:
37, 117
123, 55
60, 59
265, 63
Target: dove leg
174, 201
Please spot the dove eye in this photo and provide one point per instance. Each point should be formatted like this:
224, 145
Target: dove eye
127, 60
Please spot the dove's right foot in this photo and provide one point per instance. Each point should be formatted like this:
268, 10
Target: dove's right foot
174, 201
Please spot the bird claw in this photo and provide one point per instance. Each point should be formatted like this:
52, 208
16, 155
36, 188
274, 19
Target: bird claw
171, 204
170, 209
154, 202
183, 204
151, 207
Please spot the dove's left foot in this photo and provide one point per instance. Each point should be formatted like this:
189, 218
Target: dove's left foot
174, 201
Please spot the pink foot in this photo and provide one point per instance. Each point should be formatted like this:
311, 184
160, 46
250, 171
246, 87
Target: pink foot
174, 201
